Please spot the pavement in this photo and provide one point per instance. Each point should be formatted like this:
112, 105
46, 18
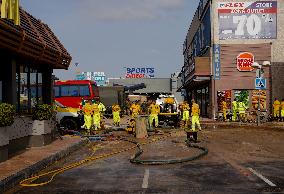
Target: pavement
32, 160
240, 160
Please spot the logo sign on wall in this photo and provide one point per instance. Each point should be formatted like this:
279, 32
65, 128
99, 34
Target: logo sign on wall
247, 20
98, 77
245, 61
137, 72
216, 61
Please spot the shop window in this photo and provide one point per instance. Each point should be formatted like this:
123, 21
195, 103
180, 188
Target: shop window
24, 93
29, 88
39, 87
33, 87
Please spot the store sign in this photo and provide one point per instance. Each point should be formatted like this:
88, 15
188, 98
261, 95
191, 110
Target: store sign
98, 77
247, 20
216, 61
137, 72
245, 61
80, 77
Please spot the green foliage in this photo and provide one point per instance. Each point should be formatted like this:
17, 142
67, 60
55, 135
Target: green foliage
7, 113
243, 96
42, 112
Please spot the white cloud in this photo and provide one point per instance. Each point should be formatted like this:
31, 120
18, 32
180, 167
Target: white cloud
116, 10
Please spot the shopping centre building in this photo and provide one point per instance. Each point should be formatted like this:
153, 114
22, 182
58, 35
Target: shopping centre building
223, 41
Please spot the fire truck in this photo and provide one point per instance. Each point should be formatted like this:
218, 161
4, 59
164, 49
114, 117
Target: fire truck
69, 97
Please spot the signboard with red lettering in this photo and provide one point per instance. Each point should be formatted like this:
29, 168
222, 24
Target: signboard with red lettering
139, 72
245, 61
248, 20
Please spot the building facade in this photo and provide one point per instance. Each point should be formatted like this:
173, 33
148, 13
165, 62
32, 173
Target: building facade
28, 54
223, 40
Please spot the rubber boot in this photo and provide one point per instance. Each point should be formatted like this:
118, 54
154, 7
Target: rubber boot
188, 136
195, 136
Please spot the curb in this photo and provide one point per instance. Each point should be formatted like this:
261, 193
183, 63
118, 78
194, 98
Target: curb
14, 180
242, 125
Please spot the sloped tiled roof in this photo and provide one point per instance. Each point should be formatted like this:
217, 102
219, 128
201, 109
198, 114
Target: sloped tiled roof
35, 40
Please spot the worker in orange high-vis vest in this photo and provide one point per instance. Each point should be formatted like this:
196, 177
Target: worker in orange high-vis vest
282, 110
276, 109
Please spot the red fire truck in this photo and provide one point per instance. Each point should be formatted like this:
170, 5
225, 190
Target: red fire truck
70, 93
68, 96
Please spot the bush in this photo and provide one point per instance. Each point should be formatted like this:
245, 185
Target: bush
7, 113
42, 112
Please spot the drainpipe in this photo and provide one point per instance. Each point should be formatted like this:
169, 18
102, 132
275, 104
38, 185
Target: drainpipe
213, 112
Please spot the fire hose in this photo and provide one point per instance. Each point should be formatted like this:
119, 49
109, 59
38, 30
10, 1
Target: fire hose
29, 182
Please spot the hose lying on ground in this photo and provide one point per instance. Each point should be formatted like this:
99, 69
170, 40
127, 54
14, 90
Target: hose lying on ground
30, 182
135, 159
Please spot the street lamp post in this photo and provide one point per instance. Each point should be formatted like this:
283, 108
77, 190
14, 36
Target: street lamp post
259, 75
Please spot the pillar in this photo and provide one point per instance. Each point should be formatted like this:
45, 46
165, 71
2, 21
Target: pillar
47, 85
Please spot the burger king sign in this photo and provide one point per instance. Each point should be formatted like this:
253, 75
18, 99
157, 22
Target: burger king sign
245, 61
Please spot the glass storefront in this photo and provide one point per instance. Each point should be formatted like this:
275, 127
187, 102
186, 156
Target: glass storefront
29, 88
201, 96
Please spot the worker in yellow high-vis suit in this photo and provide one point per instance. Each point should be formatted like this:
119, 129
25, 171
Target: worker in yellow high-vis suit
154, 110
195, 112
96, 117
116, 114
185, 113
234, 109
88, 114
242, 110
276, 109
224, 109
282, 110
135, 110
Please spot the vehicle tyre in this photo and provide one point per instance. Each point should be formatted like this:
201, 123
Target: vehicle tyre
69, 124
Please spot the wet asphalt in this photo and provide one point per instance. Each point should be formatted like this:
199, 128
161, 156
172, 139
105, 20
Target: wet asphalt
210, 174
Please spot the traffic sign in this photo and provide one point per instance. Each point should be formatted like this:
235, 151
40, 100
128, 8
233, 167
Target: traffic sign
260, 84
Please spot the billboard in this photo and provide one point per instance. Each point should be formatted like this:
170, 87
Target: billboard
98, 77
247, 20
139, 72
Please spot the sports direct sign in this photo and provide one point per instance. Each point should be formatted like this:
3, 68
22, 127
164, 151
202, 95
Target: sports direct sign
137, 72
247, 20
245, 61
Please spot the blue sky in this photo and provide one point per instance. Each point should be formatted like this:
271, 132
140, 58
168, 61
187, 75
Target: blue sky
108, 35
